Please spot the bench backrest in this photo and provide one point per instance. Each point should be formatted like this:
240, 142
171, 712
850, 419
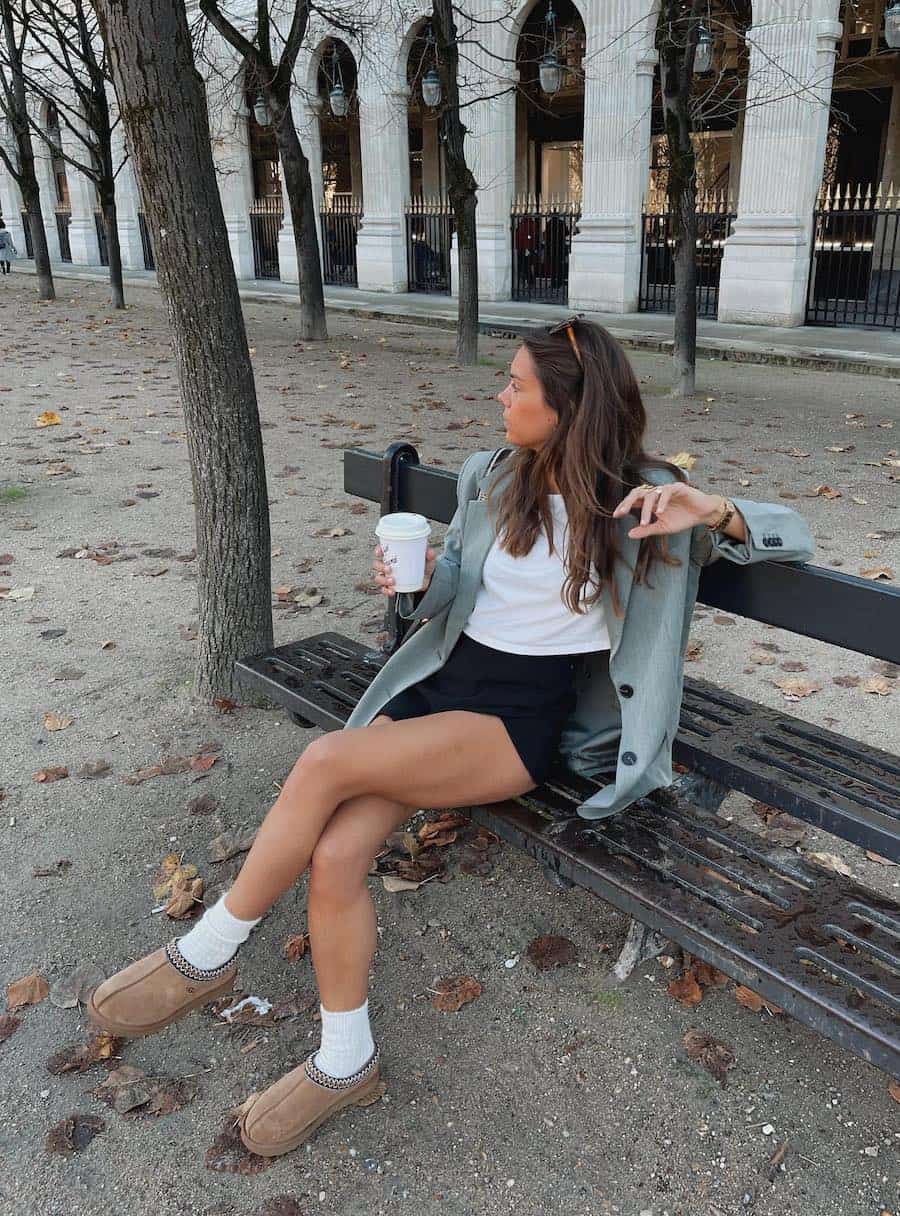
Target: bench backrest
812, 601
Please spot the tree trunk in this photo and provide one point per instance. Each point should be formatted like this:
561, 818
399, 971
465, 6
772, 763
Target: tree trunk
299, 190
31, 197
163, 108
677, 32
461, 185
114, 253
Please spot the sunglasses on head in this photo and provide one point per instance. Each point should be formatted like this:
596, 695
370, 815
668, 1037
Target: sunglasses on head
568, 327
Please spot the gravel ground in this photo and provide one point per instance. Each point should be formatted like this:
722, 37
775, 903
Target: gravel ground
547, 1091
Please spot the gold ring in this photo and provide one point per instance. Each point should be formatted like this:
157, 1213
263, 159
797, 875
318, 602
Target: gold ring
646, 486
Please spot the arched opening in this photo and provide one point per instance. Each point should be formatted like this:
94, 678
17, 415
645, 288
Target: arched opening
854, 274
342, 189
549, 149
429, 220
718, 95
267, 208
62, 206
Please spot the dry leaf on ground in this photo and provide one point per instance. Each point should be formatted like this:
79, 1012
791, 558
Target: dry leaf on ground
882, 861
48, 418
73, 1134
878, 685
550, 951
712, 1054
54, 721
794, 689
29, 990
78, 1057
229, 844
227, 1155
394, 884
454, 992
54, 773
752, 1000
832, 862
684, 460
894, 1090
686, 989
77, 987
878, 572
129, 1091
295, 947
8, 1026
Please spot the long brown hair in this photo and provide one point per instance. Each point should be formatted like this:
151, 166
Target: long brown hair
595, 455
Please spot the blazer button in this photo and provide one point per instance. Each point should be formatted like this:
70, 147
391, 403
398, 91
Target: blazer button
626, 690
629, 758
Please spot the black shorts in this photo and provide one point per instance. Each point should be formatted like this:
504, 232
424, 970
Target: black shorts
533, 695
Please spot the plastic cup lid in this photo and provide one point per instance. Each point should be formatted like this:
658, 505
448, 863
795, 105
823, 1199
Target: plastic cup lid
402, 525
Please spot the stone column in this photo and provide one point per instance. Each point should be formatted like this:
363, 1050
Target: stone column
765, 267
43, 167
384, 141
306, 111
128, 204
231, 156
83, 240
11, 200
604, 267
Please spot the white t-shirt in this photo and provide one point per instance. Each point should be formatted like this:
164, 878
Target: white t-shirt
519, 607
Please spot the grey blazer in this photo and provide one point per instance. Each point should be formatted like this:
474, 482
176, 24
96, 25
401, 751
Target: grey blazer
629, 697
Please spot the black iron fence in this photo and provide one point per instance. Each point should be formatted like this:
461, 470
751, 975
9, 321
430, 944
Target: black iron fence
657, 291
146, 242
102, 246
63, 216
854, 272
541, 244
26, 227
265, 224
429, 235
340, 224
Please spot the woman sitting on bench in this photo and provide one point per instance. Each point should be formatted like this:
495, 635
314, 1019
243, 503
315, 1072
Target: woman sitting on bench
554, 622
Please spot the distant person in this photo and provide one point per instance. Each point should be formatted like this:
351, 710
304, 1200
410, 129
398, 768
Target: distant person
7, 250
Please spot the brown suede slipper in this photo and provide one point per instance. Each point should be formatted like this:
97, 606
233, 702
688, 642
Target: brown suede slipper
288, 1112
156, 991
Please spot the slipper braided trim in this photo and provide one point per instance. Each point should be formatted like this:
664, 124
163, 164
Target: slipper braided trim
188, 970
323, 1080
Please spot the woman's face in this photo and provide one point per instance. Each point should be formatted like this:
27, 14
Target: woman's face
528, 419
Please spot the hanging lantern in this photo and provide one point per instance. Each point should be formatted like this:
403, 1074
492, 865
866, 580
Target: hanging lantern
338, 99
431, 89
261, 110
703, 57
550, 70
892, 25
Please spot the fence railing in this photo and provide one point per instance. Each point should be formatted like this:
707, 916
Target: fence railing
102, 245
26, 228
429, 234
265, 224
63, 216
854, 271
542, 232
146, 242
715, 213
340, 224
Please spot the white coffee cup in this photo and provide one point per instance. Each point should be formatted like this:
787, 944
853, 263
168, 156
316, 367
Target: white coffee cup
404, 540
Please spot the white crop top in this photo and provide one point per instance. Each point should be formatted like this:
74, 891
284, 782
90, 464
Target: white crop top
519, 607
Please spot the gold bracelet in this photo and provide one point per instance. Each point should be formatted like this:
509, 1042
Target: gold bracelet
728, 510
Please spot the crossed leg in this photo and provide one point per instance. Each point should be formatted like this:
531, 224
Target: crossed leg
345, 794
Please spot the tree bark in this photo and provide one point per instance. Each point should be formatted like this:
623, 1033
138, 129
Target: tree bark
113, 250
163, 107
461, 185
677, 32
301, 199
24, 172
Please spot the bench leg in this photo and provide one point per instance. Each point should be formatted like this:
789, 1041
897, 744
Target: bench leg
299, 720
701, 791
556, 879
641, 944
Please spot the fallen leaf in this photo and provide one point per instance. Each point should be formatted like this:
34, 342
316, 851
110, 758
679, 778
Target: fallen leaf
877, 685
62, 867
79, 1057
694, 651
549, 951
840, 447
30, 990
882, 861
846, 681
831, 862
752, 1000
185, 899
794, 688
225, 705
229, 844
77, 987
54, 773
203, 763
73, 1134
455, 992
393, 884
894, 1090
878, 572
686, 989
683, 460
130, 1092
94, 768
716, 1057
227, 1155
205, 804
54, 721
295, 946
824, 491
48, 418
8, 1026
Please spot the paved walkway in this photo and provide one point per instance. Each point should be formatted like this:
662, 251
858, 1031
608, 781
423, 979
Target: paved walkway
868, 351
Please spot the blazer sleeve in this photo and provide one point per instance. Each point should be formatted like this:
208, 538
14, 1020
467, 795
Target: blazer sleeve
445, 578
774, 533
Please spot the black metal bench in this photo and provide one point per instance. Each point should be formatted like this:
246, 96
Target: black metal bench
817, 944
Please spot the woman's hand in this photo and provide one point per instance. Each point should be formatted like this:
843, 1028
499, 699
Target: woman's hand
671, 508
384, 574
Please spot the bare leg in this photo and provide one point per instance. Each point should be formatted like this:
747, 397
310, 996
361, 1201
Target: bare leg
444, 760
341, 914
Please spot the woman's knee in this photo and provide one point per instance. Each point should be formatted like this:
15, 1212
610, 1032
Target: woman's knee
320, 761
340, 863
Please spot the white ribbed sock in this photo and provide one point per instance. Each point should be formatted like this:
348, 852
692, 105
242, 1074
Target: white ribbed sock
347, 1042
215, 938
